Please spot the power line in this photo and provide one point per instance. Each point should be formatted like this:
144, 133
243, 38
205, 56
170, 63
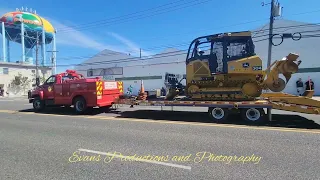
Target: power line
126, 15
150, 58
139, 16
186, 43
302, 25
181, 52
178, 45
169, 54
233, 24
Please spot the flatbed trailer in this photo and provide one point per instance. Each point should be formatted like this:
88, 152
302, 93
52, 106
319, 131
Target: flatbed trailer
250, 111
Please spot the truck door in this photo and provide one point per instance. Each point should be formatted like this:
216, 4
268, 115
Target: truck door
48, 88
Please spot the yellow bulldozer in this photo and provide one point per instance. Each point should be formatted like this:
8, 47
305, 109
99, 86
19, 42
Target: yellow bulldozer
226, 67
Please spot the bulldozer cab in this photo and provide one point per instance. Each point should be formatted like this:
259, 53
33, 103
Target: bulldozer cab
219, 49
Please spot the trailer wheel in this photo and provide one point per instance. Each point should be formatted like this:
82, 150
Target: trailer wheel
218, 114
80, 105
38, 104
253, 115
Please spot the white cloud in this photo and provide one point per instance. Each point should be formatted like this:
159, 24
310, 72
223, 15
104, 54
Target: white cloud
74, 37
134, 48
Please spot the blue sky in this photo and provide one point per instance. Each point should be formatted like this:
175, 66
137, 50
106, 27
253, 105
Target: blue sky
77, 36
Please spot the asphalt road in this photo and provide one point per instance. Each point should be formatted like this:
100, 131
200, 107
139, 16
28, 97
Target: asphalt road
41, 145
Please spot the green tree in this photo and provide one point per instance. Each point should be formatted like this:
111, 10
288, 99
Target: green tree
42, 79
19, 84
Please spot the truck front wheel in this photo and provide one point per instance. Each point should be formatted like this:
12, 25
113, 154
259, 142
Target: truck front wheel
80, 105
38, 104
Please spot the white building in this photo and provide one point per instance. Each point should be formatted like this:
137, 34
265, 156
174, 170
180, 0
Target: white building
8, 72
118, 66
306, 47
131, 70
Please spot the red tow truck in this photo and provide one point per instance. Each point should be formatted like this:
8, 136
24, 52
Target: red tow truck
70, 88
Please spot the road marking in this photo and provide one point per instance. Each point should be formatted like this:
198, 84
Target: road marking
173, 122
141, 160
90, 117
8, 111
99, 117
4, 100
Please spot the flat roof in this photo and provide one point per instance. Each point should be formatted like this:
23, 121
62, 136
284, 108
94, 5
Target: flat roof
22, 65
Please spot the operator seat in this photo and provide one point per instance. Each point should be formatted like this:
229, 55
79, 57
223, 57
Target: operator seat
213, 64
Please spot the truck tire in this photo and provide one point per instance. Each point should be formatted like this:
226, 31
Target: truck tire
38, 104
253, 115
218, 114
80, 105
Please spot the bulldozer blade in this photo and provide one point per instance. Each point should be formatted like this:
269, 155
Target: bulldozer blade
292, 57
287, 76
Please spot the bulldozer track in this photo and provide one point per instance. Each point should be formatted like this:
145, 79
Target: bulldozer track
228, 95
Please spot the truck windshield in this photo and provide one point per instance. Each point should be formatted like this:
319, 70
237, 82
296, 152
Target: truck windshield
50, 80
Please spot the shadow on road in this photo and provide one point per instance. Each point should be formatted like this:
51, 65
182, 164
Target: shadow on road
278, 120
66, 111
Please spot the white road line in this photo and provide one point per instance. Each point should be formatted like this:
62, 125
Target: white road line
4, 100
141, 160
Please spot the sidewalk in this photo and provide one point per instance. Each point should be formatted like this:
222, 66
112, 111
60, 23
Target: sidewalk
14, 97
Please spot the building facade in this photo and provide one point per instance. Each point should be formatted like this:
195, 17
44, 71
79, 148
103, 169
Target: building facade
131, 70
16, 87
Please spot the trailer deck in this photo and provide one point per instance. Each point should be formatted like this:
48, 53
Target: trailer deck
251, 111
221, 104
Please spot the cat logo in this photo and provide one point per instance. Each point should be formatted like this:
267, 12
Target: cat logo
49, 88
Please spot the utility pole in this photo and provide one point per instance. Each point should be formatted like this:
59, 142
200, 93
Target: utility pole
140, 53
37, 61
53, 61
270, 34
275, 11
